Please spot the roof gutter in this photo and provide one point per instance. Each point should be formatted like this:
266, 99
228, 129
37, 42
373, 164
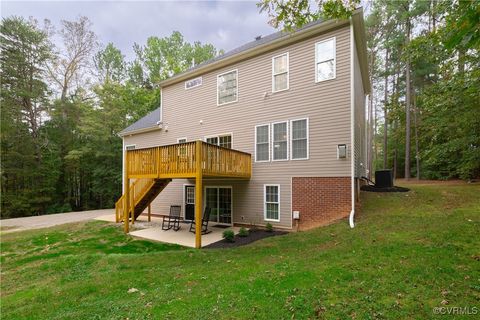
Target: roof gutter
128, 133
361, 42
277, 43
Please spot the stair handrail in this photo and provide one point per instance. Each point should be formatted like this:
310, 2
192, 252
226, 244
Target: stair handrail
137, 190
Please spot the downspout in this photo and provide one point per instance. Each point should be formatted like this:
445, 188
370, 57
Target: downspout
352, 122
123, 165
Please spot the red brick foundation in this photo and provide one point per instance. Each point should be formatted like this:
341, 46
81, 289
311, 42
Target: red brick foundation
321, 200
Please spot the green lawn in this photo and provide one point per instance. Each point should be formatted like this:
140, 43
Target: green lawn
408, 253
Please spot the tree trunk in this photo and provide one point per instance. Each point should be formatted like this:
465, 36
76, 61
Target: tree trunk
370, 123
375, 150
394, 164
407, 107
415, 123
385, 114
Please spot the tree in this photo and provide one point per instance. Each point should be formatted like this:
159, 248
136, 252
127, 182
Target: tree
408, 94
162, 58
109, 64
69, 65
25, 50
293, 14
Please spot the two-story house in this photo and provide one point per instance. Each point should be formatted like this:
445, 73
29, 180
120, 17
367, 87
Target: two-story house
271, 132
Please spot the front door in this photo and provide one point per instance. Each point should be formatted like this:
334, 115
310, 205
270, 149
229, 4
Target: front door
189, 202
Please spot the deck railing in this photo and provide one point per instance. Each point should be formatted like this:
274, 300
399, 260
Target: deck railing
179, 161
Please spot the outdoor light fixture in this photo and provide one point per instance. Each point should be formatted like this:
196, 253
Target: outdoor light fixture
341, 151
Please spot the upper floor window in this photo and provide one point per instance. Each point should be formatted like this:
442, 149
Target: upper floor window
227, 87
193, 83
224, 140
262, 143
280, 141
299, 136
325, 60
280, 73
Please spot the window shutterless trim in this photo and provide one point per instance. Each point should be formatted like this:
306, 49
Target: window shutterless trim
273, 141
265, 202
196, 85
130, 145
183, 138
236, 79
218, 137
291, 139
334, 59
276, 74
269, 141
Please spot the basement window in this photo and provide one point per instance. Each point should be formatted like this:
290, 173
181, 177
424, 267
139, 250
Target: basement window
272, 202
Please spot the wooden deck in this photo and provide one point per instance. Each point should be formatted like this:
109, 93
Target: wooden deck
149, 170
180, 161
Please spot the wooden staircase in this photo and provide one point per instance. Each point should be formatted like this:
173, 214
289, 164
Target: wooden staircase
142, 192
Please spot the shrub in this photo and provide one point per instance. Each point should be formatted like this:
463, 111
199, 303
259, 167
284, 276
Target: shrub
243, 232
269, 227
229, 235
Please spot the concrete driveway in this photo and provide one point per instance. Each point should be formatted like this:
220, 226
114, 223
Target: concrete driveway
49, 220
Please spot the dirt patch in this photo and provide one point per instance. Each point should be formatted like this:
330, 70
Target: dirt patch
414, 181
388, 189
253, 236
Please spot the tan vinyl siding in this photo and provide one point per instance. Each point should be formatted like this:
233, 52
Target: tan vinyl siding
360, 118
194, 114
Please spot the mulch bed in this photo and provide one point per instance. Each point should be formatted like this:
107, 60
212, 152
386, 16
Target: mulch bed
253, 235
377, 189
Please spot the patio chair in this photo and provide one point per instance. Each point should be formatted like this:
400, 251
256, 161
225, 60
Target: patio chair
205, 219
172, 220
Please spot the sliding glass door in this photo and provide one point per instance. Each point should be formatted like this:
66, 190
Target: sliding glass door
219, 199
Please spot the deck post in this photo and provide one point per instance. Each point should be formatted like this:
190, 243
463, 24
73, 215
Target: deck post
127, 195
149, 212
198, 194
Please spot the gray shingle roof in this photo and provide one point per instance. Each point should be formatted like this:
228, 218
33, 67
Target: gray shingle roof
149, 121
250, 45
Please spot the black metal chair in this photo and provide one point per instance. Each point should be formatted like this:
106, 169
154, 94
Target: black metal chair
205, 219
173, 219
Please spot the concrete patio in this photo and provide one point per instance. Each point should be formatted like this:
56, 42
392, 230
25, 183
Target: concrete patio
153, 231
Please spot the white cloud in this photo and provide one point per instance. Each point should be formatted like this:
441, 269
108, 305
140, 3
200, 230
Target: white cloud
225, 24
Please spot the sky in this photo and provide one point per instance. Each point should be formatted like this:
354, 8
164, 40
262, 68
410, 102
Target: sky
225, 24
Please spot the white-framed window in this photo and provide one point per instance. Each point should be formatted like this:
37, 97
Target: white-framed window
193, 83
262, 143
227, 87
271, 195
130, 147
280, 141
280, 72
222, 140
182, 140
299, 144
325, 61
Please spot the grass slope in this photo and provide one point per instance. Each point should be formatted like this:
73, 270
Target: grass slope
409, 253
